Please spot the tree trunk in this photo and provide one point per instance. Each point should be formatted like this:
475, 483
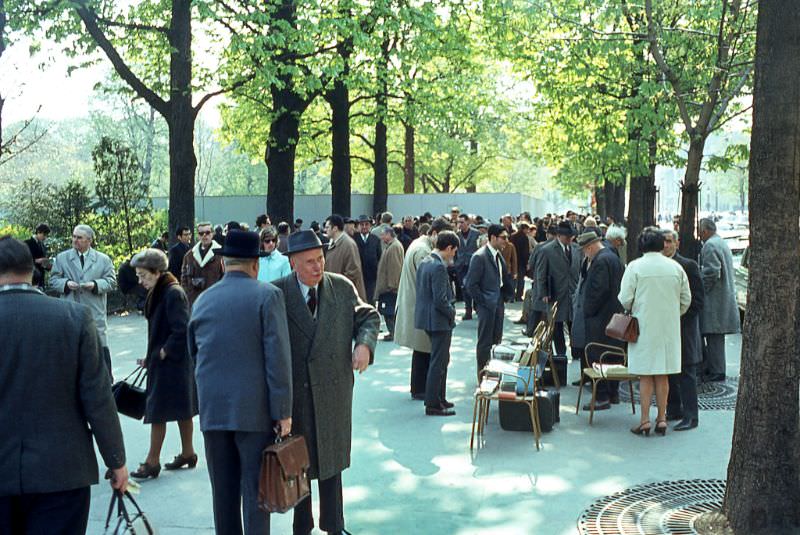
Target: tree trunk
614, 196
380, 189
635, 211
280, 156
690, 195
600, 204
764, 469
147, 165
3, 19
409, 163
341, 177
180, 118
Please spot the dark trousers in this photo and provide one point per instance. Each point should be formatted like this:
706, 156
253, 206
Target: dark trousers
234, 464
435, 387
369, 287
490, 331
390, 324
533, 319
331, 509
107, 360
51, 513
420, 361
558, 337
714, 354
456, 282
462, 275
682, 399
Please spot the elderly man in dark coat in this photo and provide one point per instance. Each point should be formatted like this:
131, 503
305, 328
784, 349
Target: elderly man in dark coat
599, 288
240, 342
557, 270
55, 396
327, 319
682, 400
468, 244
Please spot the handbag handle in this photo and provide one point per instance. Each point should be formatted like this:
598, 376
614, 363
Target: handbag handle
122, 511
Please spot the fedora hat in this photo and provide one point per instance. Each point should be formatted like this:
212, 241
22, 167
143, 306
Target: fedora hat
588, 238
240, 244
565, 228
302, 241
364, 219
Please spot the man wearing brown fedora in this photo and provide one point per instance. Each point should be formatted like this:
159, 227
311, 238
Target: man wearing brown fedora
332, 333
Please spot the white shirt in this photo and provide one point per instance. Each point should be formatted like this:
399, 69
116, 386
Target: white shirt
494, 252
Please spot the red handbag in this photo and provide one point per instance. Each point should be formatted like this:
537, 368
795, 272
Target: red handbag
623, 327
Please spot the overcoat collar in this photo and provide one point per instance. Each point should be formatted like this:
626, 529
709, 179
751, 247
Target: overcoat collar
297, 309
209, 255
492, 261
89, 258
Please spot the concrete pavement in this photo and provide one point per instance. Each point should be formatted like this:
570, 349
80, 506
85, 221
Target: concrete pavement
414, 474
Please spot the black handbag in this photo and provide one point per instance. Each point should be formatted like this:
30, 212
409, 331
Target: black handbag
125, 523
131, 397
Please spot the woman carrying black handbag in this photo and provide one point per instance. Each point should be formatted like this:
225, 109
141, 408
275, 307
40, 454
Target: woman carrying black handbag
171, 390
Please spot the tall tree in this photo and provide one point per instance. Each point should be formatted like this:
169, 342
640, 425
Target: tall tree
705, 53
166, 30
764, 470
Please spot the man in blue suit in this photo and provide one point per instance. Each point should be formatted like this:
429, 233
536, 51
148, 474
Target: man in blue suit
239, 338
489, 282
435, 313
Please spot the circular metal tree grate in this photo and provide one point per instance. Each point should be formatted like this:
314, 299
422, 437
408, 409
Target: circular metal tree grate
666, 507
720, 396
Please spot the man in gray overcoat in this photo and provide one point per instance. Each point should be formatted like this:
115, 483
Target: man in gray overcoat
85, 275
720, 315
239, 340
557, 271
327, 318
537, 306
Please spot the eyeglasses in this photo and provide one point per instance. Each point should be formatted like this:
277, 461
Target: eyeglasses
268, 240
204, 232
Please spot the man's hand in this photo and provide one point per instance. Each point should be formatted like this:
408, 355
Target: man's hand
162, 354
88, 286
141, 362
361, 358
73, 286
546, 299
40, 261
119, 479
284, 426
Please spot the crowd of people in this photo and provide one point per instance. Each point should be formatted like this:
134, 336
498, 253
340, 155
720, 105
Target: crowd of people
260, 332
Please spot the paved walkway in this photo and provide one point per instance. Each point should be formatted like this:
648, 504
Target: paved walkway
413, 474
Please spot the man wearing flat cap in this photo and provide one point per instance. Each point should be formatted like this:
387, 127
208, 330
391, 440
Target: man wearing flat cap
239, 340
556, 275
332, 334
596, 302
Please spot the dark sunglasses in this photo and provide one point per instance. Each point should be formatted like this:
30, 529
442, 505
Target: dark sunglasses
268, 240
204, 233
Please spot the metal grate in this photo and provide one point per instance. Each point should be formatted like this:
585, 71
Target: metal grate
720, 396
666, 507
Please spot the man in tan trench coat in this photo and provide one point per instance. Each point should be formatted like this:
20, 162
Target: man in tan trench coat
390, 267
342, 255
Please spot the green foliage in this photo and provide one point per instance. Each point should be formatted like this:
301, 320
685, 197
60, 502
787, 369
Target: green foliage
122, 194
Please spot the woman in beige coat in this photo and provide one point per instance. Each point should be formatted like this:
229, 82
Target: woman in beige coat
656, 291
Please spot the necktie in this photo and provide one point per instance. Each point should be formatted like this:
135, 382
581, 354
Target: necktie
83, 261
312, 300
568, 252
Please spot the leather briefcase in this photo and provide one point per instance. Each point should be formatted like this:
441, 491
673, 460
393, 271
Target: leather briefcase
623, 327
130, 397
283, 482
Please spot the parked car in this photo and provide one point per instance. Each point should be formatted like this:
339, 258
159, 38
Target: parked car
741, 277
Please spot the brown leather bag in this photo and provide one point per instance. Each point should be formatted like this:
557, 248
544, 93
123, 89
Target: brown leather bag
283, 482
623, 327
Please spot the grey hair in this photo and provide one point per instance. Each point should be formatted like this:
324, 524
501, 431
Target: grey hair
616, 232
670, 232
389, 231
707, 224
86, 229
386, 217
150, 259
230, 261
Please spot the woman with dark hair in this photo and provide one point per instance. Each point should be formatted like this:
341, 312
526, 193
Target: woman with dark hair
171, 391
655, 290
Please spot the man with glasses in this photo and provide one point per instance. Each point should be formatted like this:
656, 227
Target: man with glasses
489, 282
271, 263
85, 276
202, 268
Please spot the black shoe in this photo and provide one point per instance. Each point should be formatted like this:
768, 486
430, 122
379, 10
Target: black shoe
388, 338
585, 381
180, 461
467, 316
674, 417
342, 532
717, 378
147, 471
418, 397
598, 406
686, 424
447, 405
614, 399
439, 411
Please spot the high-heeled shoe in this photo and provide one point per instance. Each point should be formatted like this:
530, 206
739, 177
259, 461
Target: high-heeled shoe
661, 428
180, 461
642, 429
146, 471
